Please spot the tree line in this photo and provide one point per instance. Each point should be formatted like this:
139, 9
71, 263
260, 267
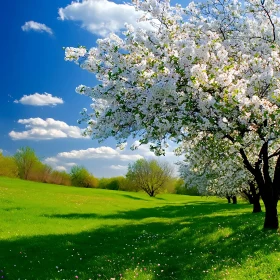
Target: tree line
150, 176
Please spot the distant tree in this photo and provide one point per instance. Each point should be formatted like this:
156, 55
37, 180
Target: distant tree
8, 166
252, 195
80, 177
182, 188
151, 176
116, 183
109, 183
40, 172
25, 159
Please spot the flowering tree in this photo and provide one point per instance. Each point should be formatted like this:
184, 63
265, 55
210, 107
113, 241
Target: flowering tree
215, 167
210, 67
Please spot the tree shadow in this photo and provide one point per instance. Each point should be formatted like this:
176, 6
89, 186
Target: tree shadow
201, 241
159, 198
74, 216
133, 197
191, 210
8, 209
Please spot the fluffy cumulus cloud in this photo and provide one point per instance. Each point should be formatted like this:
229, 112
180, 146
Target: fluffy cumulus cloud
60, 168
99, 153
71, 164
36, 26
106, 161
51, 160
118, 167
39, 129
37, 99
102, 17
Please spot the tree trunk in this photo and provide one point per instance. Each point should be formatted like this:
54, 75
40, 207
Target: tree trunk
271, 216
257, 206
152, 193
234, 199
228, 198
268, 190
255, 198
251, 199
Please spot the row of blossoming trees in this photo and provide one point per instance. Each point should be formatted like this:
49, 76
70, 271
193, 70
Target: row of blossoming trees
207, 77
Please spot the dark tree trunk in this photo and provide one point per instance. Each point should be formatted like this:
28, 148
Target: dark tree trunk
271, 215
257, 206
152, 193
251, 199
234, 199
268, 189
255, 198
228, 198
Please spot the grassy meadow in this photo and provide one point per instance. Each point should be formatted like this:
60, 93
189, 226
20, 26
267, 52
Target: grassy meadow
57, 232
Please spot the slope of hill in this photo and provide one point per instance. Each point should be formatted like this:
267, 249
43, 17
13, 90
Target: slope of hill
58, 232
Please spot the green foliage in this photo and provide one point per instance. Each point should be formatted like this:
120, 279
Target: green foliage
115, 183
80, 177
151, 176
182, 188
54, 232
8, 167
25, 159
59, 178
40, 172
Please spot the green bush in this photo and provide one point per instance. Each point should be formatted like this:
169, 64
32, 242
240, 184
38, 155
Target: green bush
182, 188
80, 177
8, 167
115, 183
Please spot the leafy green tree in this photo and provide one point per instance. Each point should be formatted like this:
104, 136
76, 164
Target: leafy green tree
8, 166
115, 183
25, 159
80, 177
151, 176
182, 188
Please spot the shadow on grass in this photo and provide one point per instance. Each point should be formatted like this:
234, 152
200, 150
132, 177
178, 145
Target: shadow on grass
133, 197
190, 210
8, 209
201, 243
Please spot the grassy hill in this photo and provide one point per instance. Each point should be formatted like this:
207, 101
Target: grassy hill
58, 232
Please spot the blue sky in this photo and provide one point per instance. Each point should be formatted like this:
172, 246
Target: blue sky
38, 104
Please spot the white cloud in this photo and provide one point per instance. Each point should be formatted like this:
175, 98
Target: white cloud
102, 17
1, 151
51, 160
101, 152
60, 168
37, 99
70, 164
118, 167
105, 161
39, 129
130, 157
36, 26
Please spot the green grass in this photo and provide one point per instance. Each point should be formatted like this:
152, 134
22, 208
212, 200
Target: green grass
57, 232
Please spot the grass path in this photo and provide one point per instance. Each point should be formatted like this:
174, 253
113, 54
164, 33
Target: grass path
57, 232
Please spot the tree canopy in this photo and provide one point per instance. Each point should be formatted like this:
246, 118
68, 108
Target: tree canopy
212, 68
25, 159
80, 177
151, 176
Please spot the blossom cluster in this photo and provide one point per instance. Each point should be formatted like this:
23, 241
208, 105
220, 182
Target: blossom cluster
211, 67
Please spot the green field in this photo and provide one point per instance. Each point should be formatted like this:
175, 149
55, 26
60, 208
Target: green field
58, 232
